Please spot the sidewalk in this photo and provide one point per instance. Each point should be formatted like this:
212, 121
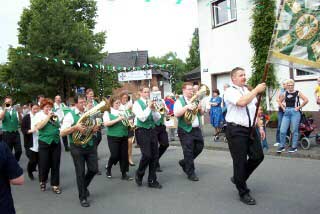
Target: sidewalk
312, 153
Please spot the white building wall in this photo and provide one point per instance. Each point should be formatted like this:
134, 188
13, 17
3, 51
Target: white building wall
227, 46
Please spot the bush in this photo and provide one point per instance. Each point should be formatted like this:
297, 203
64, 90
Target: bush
274, 116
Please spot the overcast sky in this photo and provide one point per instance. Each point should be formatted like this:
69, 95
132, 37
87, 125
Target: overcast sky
158, 26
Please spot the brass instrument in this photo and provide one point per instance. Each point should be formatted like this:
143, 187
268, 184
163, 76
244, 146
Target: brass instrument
90, 119
54, 118
190, 115
128, 116
159, 107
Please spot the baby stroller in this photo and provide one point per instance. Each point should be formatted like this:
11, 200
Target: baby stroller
221, 133
306, 127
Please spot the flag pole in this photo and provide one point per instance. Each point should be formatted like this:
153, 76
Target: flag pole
267, 65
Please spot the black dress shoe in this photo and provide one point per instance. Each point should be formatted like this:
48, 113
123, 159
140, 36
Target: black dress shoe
67, 149
138, 180
181, 163
30, 175
247, 199
159, 169
108, 173
126, 177
99, 173
84, 203
193, 177
154, 184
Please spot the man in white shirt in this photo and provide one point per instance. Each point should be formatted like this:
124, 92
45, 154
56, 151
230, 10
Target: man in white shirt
242, 137
145, 119
81, 154
189, 132
58, 107
10, 125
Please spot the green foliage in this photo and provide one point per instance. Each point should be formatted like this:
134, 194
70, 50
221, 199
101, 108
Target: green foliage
263, 23
193, 61
54, 28
178, 72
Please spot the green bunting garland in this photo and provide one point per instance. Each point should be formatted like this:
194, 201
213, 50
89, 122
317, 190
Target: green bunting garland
104, 68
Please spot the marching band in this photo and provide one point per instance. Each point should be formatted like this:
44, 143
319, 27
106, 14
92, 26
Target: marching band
79, 129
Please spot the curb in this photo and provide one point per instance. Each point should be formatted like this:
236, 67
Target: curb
271, 153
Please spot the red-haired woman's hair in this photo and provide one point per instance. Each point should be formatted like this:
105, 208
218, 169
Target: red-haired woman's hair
46, 101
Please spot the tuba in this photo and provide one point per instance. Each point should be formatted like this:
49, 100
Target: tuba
190, 115
90, 119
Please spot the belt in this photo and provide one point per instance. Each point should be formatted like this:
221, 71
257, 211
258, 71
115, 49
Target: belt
236, 125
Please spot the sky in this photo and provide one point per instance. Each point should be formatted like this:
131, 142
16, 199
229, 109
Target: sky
159, 26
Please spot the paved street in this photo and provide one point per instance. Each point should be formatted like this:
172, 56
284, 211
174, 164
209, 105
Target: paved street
281, 185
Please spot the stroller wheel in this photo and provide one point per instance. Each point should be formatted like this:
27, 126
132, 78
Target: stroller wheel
305, 143
215, 138
288, 141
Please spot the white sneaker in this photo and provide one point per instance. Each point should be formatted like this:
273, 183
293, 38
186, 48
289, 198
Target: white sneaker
276, 144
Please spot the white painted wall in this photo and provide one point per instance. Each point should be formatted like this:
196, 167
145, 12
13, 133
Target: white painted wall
227, 46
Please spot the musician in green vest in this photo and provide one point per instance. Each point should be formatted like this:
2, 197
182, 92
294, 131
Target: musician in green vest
190, 134
81, 154
145, 119
117, 135
48, 125
160, 129
10, 125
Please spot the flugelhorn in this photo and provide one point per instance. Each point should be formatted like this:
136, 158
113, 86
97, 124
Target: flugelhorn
190, 115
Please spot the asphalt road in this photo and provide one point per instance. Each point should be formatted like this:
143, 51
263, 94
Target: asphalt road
280, 185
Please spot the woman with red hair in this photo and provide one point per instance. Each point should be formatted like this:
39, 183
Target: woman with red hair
49, 146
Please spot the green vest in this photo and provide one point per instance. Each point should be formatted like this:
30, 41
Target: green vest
160, 121
10, 123
149, 123
50, 132
117, 129
181, 122
76, 117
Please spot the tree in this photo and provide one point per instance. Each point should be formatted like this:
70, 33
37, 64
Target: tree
61, 29
178, 71
193, 61
263, 23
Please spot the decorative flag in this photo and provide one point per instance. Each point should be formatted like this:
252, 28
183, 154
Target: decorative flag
63, 61
296, 39
78, 63
91, 65
47, 58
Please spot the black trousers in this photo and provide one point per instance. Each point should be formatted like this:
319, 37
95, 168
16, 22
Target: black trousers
65, 142
33, 160
81, 157
49, 159
192, 145
147, 141
163, 140
12, 139
242, 146
118, 147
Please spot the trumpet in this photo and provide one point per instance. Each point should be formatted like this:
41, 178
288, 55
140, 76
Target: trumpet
54, 118
128, 116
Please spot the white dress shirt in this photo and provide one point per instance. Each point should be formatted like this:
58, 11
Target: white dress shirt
68, 119
143, 115
237, 114
35, 135
178, 106
59, 111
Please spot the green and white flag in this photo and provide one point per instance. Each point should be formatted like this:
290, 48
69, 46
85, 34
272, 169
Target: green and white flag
296, 39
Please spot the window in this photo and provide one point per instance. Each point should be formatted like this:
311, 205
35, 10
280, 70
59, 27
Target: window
223, 11
300, 74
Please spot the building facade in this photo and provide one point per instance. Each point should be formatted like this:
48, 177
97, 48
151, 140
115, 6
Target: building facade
224, 31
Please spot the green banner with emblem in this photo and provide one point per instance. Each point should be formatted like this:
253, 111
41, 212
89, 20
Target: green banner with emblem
296, 39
